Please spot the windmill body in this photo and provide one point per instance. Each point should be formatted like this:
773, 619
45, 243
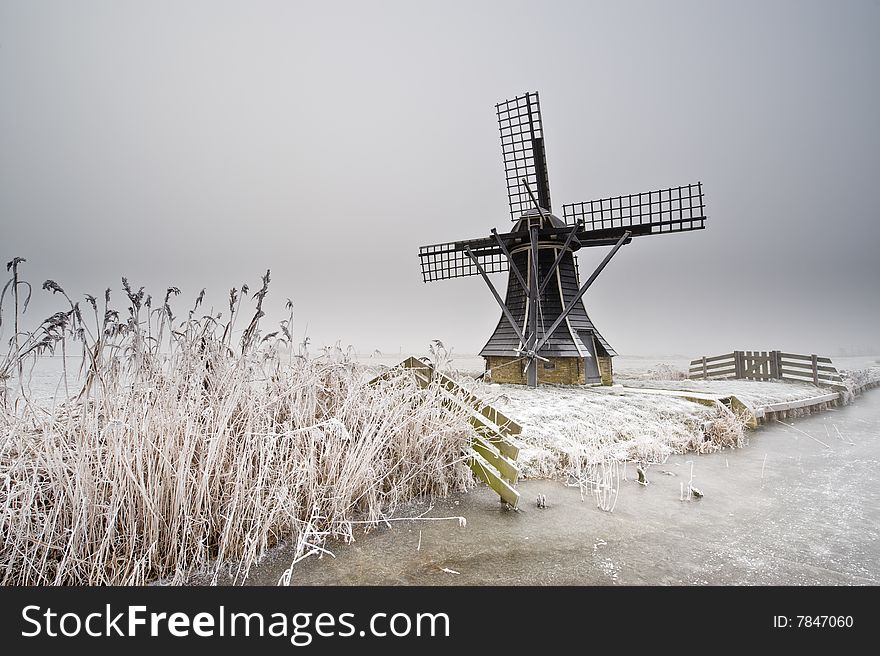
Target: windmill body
544, 334
575, 352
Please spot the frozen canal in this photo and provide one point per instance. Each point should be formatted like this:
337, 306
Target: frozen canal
787, 509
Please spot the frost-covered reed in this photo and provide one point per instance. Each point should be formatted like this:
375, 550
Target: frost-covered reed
187, 443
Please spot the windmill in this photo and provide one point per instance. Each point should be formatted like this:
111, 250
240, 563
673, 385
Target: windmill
545, 333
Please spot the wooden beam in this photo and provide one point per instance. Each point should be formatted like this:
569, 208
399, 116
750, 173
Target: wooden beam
803, 403
532, 362
809, 366
506, 448
534, 201
509, 257
559, 257
712, 365
795, 356
726, 356
504, 309
508, 470
807, 376
581, 291
491, 456
488, 474
722, 372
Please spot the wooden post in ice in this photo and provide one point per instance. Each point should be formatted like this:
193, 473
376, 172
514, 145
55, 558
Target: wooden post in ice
815, 362
705, 372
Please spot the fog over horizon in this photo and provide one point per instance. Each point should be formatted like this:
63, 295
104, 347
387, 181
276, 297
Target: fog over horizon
198, 144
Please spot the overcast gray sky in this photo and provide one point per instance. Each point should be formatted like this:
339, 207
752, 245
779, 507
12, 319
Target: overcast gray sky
200, 143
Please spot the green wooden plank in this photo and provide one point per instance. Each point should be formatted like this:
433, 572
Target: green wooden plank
505, 424
507, 469
491, 454
420, 368
487, 473
738, 406
486, 430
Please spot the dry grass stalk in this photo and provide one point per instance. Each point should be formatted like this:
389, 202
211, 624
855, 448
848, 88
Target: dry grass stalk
185, 449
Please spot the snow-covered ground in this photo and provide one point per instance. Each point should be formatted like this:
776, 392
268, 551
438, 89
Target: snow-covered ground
569, 431
753, 393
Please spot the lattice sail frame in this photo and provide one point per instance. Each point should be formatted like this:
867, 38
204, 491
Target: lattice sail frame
676, 209
522, 148
450, 260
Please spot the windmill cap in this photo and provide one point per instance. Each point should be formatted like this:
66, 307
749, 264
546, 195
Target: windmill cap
555, 221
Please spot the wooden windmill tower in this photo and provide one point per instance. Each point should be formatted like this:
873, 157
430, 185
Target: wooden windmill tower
545, 333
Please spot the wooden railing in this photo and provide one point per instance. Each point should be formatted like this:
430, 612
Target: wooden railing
492, 455
766, 365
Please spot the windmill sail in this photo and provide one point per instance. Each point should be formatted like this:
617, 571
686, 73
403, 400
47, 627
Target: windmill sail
676, 209
450, 260
522, 147
544, 333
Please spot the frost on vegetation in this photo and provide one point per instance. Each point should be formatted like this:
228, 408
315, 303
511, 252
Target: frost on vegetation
855, 380
197, 441
577, 431
667, 372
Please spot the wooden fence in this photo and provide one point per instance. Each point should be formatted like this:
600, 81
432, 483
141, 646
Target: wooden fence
766, 365
492, 455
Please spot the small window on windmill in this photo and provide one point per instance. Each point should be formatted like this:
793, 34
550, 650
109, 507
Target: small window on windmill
549, 365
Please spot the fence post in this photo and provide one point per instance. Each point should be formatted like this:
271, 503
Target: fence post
815, 369
705, 372
737, 364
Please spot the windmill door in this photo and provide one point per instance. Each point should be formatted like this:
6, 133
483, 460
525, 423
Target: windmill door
591, 364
